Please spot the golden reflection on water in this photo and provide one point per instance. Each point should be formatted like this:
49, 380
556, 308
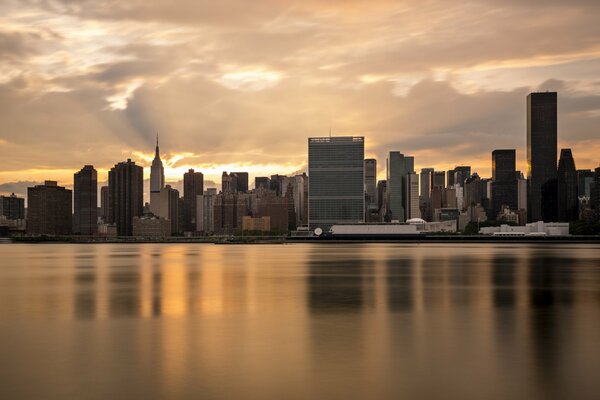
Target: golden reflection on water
307, 321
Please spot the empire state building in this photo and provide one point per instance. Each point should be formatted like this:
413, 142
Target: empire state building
157, 180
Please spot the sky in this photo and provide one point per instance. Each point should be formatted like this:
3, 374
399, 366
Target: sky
233, 85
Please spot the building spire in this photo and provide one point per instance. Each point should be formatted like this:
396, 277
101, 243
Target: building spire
157, 155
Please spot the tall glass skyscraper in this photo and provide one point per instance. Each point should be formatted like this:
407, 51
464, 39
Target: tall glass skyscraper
541, 156
336, 181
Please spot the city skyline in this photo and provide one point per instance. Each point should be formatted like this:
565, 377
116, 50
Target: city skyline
93, 83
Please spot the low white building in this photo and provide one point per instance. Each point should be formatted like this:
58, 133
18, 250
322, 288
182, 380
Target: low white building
533, 229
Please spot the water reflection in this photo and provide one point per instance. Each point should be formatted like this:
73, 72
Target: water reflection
300, 321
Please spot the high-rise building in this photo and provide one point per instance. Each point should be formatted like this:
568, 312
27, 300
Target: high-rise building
412, 209
381, 195
472, 193
229, 209
193, 186
371, 183
522, 194
12, 207
276, 184
541, 156
169, 207
336, 180
49, 209
301, 199
126, 192
505, 188
228, 183
261, 182
157, 179
585, 177
426, 182
205, 217
595, 193
85, 196
450, 177
241, 181
461, 173
396, 185
567, 187
439, 179
104, 203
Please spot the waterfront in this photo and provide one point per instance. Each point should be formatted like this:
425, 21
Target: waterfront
299, 321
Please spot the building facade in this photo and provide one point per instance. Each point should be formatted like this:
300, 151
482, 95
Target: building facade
12, 207
126, 191
193, 186
85, 199
505, 188
541, 156
370, 184
49, 209
336, 180
568, 204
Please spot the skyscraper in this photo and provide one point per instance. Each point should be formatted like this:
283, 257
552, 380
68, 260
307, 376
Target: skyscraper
439, 179
541, 156
85, 216
336, 180
126, 191
505, 189
169, 207
228, 182
104, 203
461, 173
261, 182
426, 182
242, 181
412, 209
396, 172
49, 209
595, 193
585, 177
193, 186
371, 183
567, 187
157, 179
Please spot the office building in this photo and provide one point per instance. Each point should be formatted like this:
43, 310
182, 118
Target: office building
585, 177
157, 179
261, 182
595, 193
193, 186
228, 183
371, 183
229, 209
426, 181
126, 191
504, 187
151, 226
522, 193
336, 181
241, 179
276, 184
413, 209
567, 187
205, 217
85, 201
461, 174
438, 179
12, 207
104, 203
396, 185
541, 156
169, 207
49, 209
472, 191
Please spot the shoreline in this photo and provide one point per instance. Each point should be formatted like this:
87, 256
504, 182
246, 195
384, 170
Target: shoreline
474, 239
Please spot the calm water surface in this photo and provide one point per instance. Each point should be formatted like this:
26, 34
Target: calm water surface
376, 321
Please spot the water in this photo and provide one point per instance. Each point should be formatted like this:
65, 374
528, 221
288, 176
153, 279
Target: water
303, 321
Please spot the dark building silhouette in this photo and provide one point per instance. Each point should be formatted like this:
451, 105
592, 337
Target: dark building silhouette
228, 182
276, 184
541, 156
473, 193
12, 207
461, 173
85, 201
567, 187
595, 193
438, 179
169, 207
450, 177
193, 186
505, 189
104, 203
261, 182
126, 191
241, 181
585, 177
268, 204
49, 209
371, 184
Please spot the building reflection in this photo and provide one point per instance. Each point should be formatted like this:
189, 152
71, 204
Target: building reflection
504, 280
334, 282
400, 284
